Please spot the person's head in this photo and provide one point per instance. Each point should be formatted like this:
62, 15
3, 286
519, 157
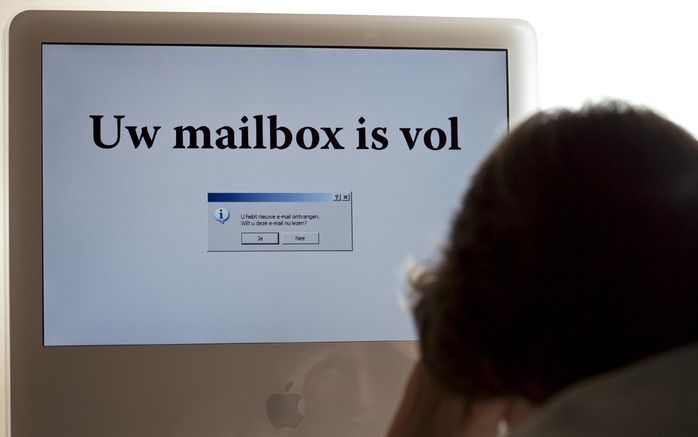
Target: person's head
575, 252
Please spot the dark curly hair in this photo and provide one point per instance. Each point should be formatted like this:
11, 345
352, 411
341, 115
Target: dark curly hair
575, 252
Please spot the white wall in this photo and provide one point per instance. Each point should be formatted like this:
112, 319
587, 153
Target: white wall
638, 51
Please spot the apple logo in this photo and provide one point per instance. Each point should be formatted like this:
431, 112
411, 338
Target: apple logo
283, 408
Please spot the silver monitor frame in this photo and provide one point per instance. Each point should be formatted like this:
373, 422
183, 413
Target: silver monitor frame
201, 389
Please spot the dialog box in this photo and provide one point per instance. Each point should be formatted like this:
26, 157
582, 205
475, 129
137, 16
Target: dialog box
280, 222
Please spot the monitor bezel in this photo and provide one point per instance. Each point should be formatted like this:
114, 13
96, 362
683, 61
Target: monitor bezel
95, 370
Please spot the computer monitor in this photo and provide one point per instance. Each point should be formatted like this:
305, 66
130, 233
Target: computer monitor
211, 214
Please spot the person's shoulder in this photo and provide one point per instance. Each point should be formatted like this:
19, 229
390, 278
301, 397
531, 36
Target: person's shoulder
654, 397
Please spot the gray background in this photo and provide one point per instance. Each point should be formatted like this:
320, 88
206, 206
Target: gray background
332, 229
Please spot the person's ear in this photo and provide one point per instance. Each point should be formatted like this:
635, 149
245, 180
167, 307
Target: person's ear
517, 410
484, 417
496, 416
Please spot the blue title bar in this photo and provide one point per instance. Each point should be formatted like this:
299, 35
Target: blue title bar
270, 197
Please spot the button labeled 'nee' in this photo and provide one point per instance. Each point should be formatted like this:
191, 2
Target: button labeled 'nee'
300, 238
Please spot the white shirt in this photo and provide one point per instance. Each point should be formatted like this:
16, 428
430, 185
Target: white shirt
657, 397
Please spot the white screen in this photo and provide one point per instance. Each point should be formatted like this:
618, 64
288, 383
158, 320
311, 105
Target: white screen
136, 253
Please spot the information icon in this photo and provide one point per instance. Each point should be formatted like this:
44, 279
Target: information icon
221, 215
